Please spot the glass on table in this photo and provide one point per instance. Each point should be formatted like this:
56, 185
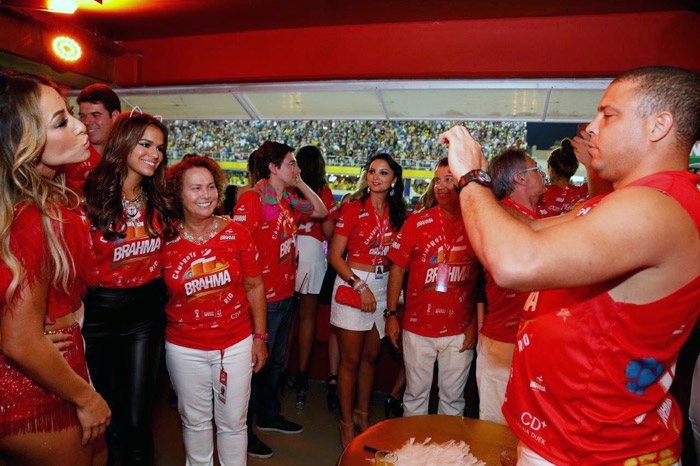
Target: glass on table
385, 458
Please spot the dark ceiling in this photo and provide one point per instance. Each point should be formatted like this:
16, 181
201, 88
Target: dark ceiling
143, 19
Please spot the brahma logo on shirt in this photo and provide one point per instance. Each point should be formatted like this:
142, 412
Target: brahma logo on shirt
286, 242
136, 246
206, 276
459, 264
386, 244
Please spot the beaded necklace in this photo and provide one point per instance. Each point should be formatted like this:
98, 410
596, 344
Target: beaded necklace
201, 239
133, 207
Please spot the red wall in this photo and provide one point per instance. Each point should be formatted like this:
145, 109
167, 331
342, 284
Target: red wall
577, 46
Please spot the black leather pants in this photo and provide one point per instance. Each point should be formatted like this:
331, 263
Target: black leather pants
123, 331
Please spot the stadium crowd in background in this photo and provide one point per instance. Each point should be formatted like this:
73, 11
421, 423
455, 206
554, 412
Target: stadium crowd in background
345, 143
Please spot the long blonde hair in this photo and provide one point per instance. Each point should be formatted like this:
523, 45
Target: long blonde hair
22, 140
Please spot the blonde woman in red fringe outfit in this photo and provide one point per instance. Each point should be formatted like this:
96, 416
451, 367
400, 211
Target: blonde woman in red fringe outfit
49, 413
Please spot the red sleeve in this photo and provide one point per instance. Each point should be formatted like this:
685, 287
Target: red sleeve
400, 251
28, 245
329, 202
248, 253
76, 231
348, 218
248, 211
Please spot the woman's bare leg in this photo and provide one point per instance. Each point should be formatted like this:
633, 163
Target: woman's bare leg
365, 379
60, 448
308, 308
351, 344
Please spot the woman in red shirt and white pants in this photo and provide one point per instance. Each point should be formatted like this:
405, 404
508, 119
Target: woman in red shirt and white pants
215, 291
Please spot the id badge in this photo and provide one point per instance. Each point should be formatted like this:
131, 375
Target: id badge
223, 377
379, 272
442, 278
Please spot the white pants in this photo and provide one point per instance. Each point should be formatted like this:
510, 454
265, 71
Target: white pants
419, 355
527, 457
195, 376
495, 359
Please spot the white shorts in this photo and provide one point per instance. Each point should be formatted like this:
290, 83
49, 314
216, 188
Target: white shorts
312, 265
351, 318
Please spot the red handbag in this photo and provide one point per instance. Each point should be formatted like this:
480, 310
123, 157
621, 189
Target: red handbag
347, 296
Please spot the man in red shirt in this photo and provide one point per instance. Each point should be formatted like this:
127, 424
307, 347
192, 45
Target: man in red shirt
596, 349
98, 107
272, 213
438, 319
518, 183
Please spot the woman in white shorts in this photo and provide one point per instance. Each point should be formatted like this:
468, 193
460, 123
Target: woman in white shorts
312, 260
366, 228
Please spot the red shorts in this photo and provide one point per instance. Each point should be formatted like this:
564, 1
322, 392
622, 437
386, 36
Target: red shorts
27, 407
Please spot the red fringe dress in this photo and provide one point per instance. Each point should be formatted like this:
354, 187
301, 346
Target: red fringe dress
25, 406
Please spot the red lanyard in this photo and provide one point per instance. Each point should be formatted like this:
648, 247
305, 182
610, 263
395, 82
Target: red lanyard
448, 241
382, 224
523, 210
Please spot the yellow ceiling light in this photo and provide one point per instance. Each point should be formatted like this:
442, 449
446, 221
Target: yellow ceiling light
67, 49
63, 6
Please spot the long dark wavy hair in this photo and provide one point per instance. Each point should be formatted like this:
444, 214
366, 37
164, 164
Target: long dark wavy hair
313, 167
103, 188
397, 204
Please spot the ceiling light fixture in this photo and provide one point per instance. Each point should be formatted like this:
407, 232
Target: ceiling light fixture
63, 6
67, 49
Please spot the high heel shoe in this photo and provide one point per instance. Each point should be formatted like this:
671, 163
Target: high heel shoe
301, 386
393, 406
360, 419
347, 433
332, 392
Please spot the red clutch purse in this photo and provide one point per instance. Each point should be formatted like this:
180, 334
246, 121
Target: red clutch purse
347, 296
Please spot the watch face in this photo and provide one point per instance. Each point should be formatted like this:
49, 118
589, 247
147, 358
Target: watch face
483, 176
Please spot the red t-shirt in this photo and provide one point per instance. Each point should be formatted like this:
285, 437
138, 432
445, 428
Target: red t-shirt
560, 200
312, 227
207, 307
276, 242
424, 241
590, 377
77, 173
358, 222
504, 306
130, 261
28, 244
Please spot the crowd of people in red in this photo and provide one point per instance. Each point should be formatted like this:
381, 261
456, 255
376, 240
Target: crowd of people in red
575, 301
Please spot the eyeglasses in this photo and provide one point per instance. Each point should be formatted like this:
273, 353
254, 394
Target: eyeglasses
537, 168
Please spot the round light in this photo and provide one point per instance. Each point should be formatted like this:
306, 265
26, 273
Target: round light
66, 48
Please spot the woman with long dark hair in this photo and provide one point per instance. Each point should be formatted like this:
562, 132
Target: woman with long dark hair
366, 228
47, 406
311, 267
561, 195
128, 209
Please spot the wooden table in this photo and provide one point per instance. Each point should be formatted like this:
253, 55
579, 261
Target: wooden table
486, 440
